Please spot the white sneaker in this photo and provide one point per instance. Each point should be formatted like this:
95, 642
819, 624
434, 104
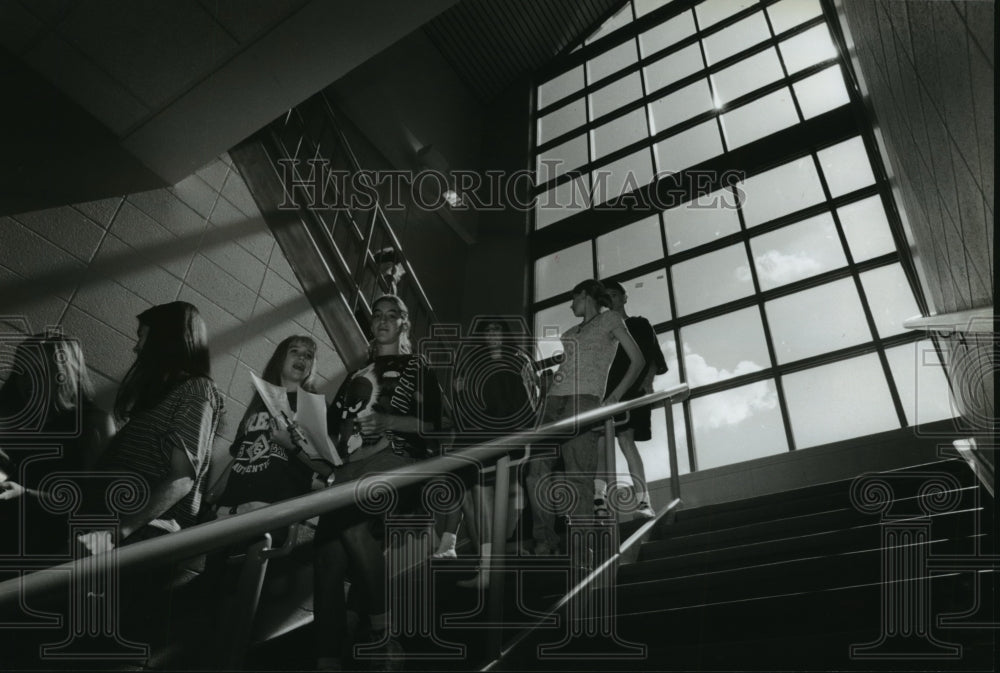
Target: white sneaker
448, 553
644, 511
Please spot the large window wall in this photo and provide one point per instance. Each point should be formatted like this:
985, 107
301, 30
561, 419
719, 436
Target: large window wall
772, 271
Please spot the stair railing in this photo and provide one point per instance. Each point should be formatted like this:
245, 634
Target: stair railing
17, 593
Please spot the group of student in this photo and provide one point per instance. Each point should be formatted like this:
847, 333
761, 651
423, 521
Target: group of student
386, 416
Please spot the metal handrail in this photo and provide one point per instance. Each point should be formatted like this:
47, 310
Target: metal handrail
637, 537
213, 535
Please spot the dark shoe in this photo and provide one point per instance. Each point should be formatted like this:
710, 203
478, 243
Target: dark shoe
388, 657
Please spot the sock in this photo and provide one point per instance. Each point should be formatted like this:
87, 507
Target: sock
448, 541
485, 552
600, 489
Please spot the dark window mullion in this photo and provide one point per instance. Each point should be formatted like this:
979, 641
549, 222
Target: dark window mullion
865, 306
765, 325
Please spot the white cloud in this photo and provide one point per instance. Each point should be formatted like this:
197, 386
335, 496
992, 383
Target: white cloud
732, 406
777, 268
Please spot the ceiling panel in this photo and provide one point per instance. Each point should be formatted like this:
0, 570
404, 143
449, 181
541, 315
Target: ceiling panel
154, 49
492, 43
247, 20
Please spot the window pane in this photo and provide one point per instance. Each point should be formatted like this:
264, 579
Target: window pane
808, 48
681, 105
622, 176
621, 18
644, 7
821, 92
561, 86
797, 251
780, 191
746, 76
654, 454
668, 346
619, 132
563, 120
711, 12
816, 321
615, 95
550, 323
629, 247
846, 166
737, 37
711, 353
790, 13
666, 34
737, 425
648, 296
561, 271
760, 118
866, 228
700, 221
560, 202
671, 68
711, 279
564, 157
921, 381
839, 401
611, 61
890, 298
688, 148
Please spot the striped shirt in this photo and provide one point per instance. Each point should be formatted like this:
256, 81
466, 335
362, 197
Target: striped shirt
187, 417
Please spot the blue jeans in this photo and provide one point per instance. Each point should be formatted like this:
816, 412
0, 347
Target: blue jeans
579, 456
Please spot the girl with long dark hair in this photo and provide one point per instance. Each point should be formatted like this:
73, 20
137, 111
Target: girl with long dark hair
171, 410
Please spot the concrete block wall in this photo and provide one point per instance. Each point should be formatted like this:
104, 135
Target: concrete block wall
90, 268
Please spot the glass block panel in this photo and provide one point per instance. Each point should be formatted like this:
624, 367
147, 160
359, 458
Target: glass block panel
688, 148
818, 320
562, 201
667, 33
781, 191
711, 12
921, 381
797, 251
821, 92
841, 400
746, 76
846, 166
759, 118
622, 176
550, 323
615, 95
867, 229
890, 298
671, 68
619, 132
737, 37
790, 13
563, 120
648, 296
701, 221
711, 279
562, 158
611, 61
622, 17
737, 425
680, 105
560, 86
711, 354
644, 7
562, 270
629, 247
807, 48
